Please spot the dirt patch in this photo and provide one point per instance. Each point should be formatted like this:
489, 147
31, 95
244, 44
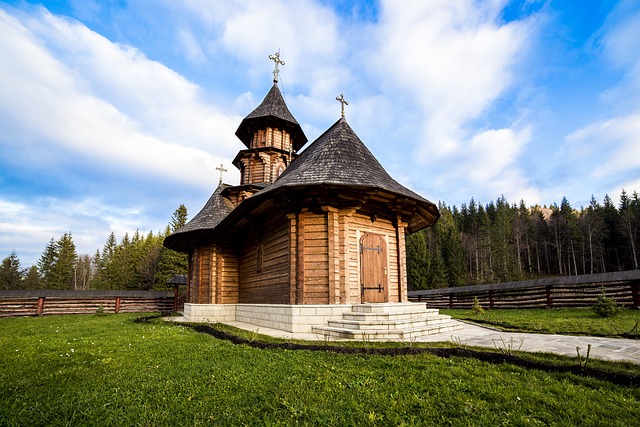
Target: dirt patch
622, 379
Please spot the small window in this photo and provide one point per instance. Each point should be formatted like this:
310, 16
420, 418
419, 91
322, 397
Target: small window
259, 250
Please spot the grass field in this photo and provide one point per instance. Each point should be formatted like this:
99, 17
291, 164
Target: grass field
566, 321
110, 370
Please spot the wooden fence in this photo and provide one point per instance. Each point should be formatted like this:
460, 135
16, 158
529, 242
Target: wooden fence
557, 292
45, 302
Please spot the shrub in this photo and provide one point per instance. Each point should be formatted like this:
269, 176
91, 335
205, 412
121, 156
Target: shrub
476, 307
605, 306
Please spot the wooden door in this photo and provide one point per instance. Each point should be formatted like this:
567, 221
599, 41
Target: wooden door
373, 268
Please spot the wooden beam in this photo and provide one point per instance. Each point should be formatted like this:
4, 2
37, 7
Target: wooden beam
300, 257
401, 259
333, 245
40, 307
293, 250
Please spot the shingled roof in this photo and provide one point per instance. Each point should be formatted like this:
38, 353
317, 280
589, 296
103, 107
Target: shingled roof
214, 211
274, 111
338, 158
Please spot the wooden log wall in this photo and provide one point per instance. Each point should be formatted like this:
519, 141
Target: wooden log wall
267, 245
316, 259
227, 267
50, 302
545, 294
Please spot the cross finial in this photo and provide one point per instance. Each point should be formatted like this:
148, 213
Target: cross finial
276, 59
342, 101
222, 170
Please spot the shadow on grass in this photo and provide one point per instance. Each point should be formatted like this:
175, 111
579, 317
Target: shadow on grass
496, 358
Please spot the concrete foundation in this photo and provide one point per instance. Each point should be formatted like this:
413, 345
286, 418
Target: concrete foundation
376, 322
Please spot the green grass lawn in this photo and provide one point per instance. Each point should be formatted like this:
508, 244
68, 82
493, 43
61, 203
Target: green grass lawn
109, 370
567, 321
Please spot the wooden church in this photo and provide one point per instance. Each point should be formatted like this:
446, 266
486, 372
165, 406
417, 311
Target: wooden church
304, 237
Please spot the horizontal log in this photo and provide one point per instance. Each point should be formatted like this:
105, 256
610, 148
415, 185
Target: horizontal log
78, 302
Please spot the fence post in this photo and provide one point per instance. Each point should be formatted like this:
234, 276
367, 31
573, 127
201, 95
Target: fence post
490, 299
117, 305
175, 298
450, 300
547, 290
635, 293
40, 307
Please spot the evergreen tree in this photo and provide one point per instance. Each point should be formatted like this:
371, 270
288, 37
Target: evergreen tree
149, 265
10, 273
504, 260
172, 262
612, 237
105, 274
592, 226
629, 219
450, 242
122, 266
179, 218
418, 261
64, 268
46, 264
32, 278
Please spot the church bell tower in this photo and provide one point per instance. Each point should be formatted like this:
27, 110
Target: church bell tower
272, 137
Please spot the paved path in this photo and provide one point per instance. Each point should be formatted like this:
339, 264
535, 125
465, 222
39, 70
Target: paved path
615, 349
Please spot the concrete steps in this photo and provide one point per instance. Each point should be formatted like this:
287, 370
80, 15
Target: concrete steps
388, 322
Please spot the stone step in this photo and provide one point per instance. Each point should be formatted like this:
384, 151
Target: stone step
400, 308
403, 324
386, 335
358, 316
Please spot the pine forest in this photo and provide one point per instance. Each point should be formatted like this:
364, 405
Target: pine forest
503, 242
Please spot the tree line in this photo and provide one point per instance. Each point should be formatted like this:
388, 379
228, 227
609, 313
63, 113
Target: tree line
499, 242
135, 262
473, 244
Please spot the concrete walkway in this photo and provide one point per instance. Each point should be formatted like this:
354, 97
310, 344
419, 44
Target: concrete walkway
615, 349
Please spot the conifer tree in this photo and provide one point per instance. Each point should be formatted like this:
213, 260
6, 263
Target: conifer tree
46, 264
64, 269
11, 272
629, 224
32, 278
179, 218
172, 262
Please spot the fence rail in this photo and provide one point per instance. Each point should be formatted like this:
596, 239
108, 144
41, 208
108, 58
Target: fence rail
49, 302
558, 292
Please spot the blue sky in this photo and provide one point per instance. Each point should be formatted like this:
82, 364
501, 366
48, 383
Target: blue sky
113, 113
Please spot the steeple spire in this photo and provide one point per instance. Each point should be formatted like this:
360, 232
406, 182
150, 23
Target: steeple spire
276, 59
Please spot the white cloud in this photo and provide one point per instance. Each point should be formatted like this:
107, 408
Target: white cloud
449, 62
611, 145
192, 48
74, 90
306, 32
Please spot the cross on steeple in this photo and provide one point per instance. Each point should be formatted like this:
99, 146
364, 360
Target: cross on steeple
342, 101
276, 59
222, 170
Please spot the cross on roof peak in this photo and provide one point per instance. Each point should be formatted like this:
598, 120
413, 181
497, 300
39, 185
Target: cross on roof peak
276, 59
222, 170
342, 101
